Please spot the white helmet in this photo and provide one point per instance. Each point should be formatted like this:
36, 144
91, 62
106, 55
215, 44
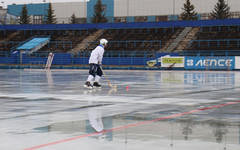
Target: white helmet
103, 41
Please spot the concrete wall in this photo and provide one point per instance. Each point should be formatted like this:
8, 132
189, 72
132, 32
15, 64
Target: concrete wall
121, 8
64, 11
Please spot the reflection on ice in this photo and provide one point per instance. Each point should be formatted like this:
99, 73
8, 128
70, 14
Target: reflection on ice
39, 107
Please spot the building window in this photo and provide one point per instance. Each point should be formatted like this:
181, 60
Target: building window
119, 19
38, 19
235, 15
161, 18
205, 16
141, 19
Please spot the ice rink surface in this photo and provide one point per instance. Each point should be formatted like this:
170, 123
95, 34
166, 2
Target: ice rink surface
160, 110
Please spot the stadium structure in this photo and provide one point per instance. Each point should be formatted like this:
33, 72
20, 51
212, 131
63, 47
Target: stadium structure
142, 34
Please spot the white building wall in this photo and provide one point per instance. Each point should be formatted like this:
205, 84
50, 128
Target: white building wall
165, 7
64, 11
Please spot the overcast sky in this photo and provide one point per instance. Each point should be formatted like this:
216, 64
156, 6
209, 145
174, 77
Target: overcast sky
4, 3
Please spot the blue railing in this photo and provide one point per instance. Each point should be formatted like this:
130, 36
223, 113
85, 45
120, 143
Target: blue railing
57, 43
51, 31
13, 43
4, 53
110, 58
125, 44
215, 42
140, 30
220, 27
211, 53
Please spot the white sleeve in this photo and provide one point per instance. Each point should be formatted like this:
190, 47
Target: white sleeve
101, 52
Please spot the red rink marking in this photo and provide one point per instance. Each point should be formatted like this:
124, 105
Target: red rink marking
130, 125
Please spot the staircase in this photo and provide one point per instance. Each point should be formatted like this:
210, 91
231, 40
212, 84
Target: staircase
9, 38
92, 37
170, 40
178, 39
184, 43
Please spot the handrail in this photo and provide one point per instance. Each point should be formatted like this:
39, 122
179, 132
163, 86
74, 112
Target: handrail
212, 52
214, 40
218, 40
118, 42
219, 27
63, 42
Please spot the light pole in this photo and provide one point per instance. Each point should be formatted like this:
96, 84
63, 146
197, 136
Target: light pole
3, 3
4, 13
127, 10
85, 11
173, 10
44, 11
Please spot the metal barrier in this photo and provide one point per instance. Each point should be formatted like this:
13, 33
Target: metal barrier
6, 43
110, 58
36, 64
126, 44
220, 27
62, 43
211, 53
216, 41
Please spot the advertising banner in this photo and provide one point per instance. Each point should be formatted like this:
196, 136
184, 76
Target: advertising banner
237, 62
172, 61
210, 63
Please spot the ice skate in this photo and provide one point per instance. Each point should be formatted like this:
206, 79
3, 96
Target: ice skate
88, 85
96, 85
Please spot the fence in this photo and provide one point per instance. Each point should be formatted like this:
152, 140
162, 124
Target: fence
217, 43
128, 44
133, 58
211, 52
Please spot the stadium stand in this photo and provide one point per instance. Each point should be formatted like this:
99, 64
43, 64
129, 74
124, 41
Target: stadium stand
130, 39
62, 41
206, 40
138, 39
217, 40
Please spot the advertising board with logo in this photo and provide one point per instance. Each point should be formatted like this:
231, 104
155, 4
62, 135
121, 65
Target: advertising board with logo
172, 61
237, 62
219, 63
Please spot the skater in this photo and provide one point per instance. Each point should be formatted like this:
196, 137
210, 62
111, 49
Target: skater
95, 61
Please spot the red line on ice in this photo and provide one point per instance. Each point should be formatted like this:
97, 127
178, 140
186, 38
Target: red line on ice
130, 125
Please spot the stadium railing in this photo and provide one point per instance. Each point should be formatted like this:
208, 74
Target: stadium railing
211, 53
217, 42
125, 43
219, 28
